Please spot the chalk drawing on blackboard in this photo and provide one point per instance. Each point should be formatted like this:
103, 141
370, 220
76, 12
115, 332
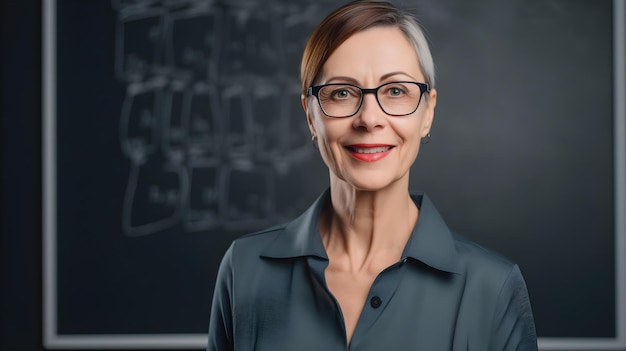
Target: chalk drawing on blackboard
192, 41
203, 112
153, 197
236, 114
212, 122
139, 118
248, 197
175, 126
201, 211
138, 45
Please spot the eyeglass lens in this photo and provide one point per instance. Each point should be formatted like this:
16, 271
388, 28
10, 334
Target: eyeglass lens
343, 100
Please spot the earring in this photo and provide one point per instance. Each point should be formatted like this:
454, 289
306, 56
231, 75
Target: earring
426, 139
314, 141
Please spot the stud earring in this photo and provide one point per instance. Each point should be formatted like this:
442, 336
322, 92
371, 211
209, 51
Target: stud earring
314, 141
426, 139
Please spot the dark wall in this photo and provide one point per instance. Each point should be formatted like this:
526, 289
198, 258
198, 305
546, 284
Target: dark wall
20, 191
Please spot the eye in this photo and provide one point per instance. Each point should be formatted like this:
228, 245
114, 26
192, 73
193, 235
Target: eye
395, 91
344, 92
340, 93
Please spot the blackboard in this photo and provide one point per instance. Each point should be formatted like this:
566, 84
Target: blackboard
176, 126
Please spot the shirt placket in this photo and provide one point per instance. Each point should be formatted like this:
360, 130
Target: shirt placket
378, 299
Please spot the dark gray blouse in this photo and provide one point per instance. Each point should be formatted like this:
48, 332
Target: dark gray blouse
446, 293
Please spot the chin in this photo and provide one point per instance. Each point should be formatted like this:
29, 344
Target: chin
369, 182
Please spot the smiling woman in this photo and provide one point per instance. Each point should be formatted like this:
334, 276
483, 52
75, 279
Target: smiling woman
378, 56
369, 266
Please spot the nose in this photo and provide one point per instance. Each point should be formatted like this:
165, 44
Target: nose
370, 115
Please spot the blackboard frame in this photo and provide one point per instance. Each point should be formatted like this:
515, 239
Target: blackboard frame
52, 339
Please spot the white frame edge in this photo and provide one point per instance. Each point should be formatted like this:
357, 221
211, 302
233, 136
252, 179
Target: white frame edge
52, 340
619, 37
49, 166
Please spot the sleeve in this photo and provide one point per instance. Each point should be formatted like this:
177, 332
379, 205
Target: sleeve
221, 317
514, 326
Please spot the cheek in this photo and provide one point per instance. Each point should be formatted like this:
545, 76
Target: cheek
329, 133
316, 120
329, 150
410, 135
409, 130
327, 129
328, 141
421, 122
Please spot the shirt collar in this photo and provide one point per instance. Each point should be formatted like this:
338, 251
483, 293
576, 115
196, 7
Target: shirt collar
300, 237
431, 241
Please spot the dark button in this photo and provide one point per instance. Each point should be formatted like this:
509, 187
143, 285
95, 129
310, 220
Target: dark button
376, 301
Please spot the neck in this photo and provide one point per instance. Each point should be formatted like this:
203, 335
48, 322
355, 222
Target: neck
363, 223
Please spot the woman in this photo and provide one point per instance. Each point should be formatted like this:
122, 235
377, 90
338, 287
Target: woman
368, 266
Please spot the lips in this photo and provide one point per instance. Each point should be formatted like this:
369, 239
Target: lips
369, 152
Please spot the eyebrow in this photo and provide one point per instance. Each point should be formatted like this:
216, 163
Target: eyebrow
391, 74
355, 82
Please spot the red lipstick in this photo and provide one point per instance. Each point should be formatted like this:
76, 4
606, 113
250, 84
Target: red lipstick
369, 152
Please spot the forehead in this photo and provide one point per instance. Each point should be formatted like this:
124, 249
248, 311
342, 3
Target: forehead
371, 54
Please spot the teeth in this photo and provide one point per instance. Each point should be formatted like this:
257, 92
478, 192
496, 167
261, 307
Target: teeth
371, 150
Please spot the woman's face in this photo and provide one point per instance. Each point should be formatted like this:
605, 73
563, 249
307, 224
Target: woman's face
371, 149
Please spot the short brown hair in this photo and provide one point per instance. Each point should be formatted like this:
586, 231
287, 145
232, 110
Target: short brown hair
353, 18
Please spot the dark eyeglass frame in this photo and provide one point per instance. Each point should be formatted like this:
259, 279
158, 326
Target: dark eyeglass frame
315, 90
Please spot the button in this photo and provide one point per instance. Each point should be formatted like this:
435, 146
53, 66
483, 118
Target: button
376, 301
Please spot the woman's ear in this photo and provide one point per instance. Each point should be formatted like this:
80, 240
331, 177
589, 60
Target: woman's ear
429, 114
309, 118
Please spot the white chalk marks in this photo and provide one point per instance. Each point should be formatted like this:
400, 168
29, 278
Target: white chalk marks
211, 120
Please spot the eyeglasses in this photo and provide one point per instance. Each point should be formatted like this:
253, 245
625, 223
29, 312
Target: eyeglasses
340, 100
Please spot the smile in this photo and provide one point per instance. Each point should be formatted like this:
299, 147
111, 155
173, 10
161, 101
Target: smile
369, 153
370, 150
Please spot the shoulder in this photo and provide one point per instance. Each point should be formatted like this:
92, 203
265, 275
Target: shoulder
243, 257
481, 263
253, 244
494, 288
491, 278
474, 253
